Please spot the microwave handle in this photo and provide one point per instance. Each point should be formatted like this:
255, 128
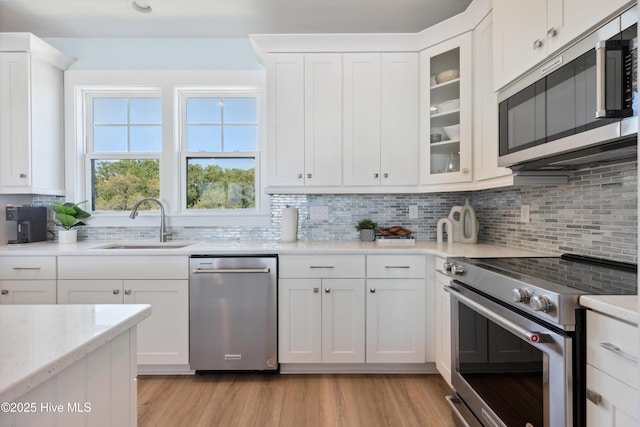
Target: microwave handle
602, 111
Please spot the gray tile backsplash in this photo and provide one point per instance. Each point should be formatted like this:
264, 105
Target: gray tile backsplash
595, 214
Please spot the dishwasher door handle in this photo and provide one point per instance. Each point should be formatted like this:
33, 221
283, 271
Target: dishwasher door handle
231, 270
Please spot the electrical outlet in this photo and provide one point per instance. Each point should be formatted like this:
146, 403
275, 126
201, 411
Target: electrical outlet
413, 212
524, 214
319, 213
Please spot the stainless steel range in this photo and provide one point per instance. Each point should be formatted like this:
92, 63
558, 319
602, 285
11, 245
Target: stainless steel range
518, 336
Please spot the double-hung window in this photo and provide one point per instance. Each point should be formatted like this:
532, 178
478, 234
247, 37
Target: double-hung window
123, 147
219, 143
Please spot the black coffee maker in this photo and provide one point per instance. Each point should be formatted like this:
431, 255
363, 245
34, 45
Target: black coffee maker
31, 223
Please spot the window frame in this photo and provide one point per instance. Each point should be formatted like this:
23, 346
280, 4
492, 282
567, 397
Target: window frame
172, 176
182, 93
90, 155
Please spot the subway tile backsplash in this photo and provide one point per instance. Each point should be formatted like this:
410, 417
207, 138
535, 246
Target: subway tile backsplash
594, 214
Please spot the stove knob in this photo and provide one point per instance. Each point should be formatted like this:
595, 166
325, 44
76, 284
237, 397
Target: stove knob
457, 270
447, 266
540, 303
521, 295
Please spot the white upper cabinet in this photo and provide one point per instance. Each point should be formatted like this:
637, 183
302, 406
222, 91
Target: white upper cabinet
486, 171
304, 119
285, 124
380, 119
31, 116
446, 112
526, 32
323, 119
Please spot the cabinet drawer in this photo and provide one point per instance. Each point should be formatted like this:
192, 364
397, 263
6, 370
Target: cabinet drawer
617, 401
396, 266
27, 268
322, 266
608, 341
123, 267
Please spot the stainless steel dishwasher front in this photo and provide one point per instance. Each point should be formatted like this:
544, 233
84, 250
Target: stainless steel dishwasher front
233, 318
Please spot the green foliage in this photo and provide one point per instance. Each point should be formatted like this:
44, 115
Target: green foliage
213, 187
119, 184
69, 214
365, 224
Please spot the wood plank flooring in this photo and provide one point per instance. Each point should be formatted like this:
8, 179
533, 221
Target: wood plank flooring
238, 400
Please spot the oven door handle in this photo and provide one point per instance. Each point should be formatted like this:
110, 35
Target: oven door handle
517, 330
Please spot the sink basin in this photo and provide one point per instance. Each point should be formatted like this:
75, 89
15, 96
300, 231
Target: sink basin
146, 245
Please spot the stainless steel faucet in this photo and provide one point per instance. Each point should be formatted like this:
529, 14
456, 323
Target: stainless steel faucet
163, 226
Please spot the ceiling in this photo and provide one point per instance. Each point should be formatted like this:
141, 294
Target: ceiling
221, 18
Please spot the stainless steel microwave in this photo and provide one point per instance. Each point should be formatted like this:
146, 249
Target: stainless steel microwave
578, 109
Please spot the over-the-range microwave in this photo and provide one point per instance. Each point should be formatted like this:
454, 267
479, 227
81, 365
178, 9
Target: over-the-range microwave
578, 109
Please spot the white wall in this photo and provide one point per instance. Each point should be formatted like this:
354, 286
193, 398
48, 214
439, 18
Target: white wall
159, 53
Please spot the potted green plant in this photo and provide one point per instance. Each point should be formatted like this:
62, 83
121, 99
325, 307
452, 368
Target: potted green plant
69, 215
367, 229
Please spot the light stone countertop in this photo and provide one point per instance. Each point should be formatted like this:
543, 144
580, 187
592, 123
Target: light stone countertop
87, 247
39, 341
622, 307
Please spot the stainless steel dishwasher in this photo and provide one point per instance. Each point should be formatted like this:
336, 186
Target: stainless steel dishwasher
233, 321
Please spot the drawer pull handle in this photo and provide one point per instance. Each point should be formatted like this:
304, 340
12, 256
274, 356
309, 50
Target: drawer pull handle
594, 397
27, 268
615, 349
372, 290
321, 266
5, 292
127, 292
397, 266
316, 290
116, 292
327, 290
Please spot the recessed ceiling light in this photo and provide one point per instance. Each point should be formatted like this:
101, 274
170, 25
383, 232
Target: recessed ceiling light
141, 6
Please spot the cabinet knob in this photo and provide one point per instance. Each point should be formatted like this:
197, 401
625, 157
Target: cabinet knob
316, 290
23, 175
5, 292
127, 292
327, 290
386, 175
299, 176
308, 175
372, 290
116, 291
551, 32
465, 170
376, 175
537, 43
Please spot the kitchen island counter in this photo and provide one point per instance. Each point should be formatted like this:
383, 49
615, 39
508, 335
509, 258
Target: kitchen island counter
39, 342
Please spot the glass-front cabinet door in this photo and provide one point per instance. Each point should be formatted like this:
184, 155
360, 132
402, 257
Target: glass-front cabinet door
445, 112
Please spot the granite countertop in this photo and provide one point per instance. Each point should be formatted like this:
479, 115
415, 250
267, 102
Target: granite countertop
39, 341
264, 247
622, 307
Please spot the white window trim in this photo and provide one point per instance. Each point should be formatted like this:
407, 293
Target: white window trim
173, 174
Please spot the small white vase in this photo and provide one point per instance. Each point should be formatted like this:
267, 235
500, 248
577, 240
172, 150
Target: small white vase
67, 236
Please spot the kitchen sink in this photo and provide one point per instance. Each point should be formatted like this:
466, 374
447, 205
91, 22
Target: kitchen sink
146, 245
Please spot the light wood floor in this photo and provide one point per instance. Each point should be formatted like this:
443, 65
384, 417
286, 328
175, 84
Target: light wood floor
238, 400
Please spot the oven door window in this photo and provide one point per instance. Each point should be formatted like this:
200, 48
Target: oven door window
505, 371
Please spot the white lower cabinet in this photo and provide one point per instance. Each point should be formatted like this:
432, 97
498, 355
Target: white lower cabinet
321, 309
162, 282
28, 280
322, 320
396, 308
442, 321
612, 372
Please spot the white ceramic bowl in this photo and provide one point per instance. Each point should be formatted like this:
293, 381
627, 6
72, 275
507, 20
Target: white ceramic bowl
453, 132
445, 76
448, 106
